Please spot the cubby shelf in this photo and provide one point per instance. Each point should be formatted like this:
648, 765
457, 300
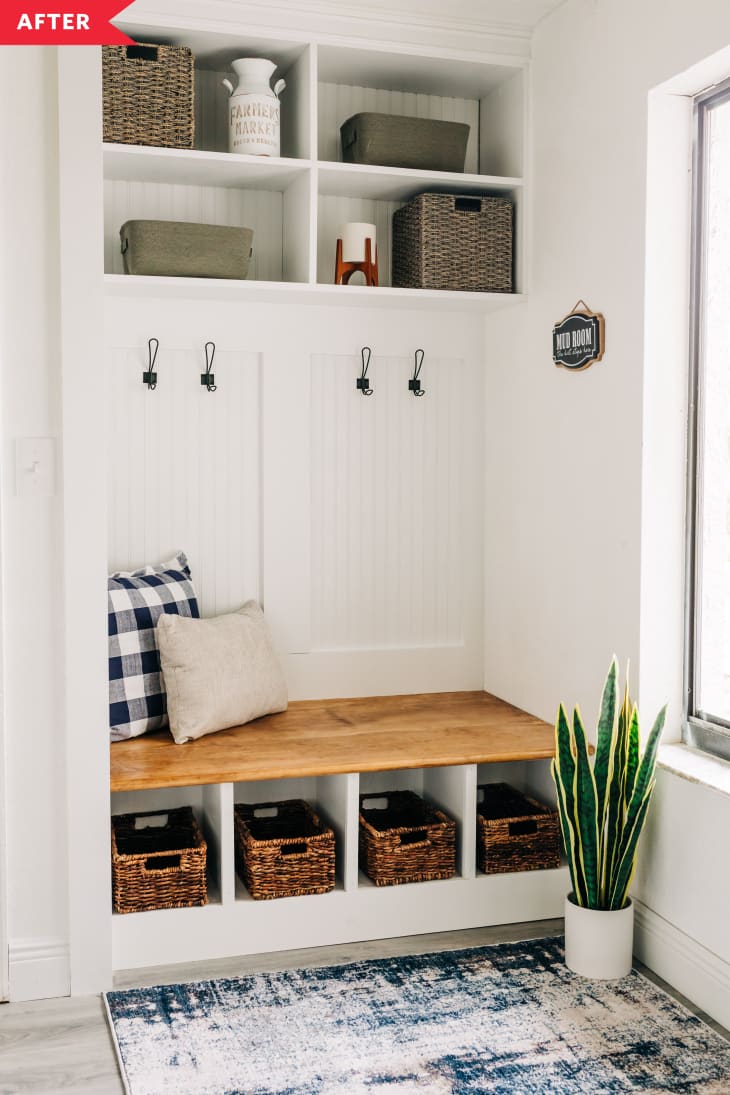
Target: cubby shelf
194, 167
278, 292
400, 183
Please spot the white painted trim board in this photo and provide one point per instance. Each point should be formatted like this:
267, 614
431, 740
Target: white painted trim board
700, 975
39, 969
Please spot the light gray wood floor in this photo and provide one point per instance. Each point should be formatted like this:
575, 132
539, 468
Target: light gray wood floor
63, 1047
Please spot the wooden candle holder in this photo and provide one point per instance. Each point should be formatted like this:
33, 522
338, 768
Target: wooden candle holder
345, 270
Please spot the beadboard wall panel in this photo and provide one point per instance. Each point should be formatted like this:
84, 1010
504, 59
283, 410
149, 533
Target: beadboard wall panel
184, 469
336, 211
338, 102
392, 494
261, 210
211, 110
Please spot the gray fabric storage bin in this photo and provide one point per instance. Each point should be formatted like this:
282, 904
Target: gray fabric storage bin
179, 249
392, 140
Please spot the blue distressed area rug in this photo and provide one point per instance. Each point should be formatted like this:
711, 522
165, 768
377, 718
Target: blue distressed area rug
508, 1019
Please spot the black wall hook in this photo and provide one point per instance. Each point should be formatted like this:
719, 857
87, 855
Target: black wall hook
414, 384
207, 378
150, 377
363, 383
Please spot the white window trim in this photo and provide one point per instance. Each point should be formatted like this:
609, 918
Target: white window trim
711, 735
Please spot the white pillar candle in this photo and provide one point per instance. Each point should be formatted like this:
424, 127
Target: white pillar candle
353, 236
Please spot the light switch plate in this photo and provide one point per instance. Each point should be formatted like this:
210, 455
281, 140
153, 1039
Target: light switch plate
35, 467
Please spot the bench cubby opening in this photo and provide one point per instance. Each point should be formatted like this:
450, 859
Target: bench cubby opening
333, 798
205, 803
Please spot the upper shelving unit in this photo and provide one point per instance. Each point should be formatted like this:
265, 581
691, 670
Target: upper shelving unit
296, 203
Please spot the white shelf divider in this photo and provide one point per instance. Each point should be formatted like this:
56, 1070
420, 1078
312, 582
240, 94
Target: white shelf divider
192, 167
454, 790
129, 286
338, 798
352, 180
218, 813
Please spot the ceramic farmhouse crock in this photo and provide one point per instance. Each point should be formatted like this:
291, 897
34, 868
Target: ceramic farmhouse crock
254, 126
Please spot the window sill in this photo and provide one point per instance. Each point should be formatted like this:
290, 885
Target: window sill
695, 766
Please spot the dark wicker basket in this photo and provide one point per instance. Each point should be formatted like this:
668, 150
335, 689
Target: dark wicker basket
283, 850
514, 832
445, 241
158, 866
148, 95
404, 839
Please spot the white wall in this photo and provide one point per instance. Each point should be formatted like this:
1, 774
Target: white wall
31, 535
574, 548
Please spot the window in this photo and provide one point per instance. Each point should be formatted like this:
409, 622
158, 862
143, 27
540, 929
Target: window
708, 615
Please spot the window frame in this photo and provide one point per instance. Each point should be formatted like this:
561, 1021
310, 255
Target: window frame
711, 734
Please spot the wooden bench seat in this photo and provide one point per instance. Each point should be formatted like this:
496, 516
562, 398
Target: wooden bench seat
324, 737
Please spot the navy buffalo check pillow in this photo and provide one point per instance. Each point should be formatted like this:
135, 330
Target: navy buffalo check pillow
137, 701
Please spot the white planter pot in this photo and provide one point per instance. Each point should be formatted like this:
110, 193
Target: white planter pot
599, 944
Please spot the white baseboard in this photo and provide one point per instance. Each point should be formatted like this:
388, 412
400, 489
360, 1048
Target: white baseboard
39, 969
688, 966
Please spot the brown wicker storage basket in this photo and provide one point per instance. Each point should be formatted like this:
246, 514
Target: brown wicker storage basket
404, 839
445, 241
158, 866
283, 850
514, 832
148, 95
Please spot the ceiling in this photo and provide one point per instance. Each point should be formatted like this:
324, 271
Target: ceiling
523, 14
518, 17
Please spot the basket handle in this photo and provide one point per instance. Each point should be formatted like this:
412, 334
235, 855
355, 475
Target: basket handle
415, 839
468, 205
141, 53
293, 849
162, 863
522, 828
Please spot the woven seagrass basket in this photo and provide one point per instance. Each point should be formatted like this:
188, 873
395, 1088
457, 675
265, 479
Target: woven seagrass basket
147, 94
445, 241
158, 866
404, 839
514, 832
283, 849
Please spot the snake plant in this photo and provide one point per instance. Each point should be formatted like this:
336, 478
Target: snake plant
603, 806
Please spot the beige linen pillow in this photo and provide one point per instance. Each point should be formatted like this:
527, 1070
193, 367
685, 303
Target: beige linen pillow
218, 673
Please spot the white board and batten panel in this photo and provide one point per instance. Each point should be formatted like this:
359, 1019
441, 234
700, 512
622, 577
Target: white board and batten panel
355, 521
184, 468
390, 504
395, 528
